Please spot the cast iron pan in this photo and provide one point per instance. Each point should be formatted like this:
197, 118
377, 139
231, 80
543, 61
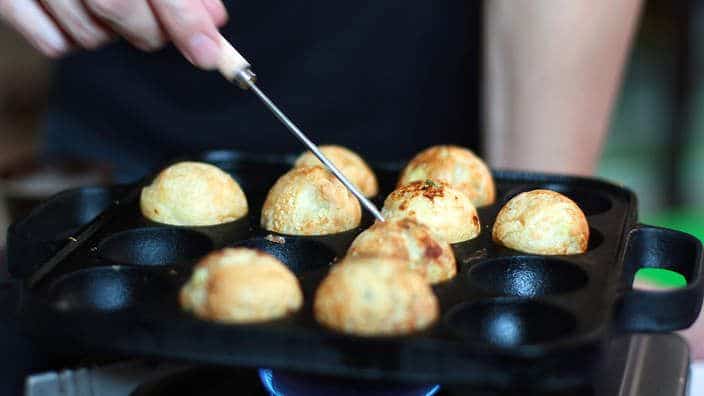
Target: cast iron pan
109, 284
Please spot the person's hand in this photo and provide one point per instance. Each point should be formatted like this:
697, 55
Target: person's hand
56, 26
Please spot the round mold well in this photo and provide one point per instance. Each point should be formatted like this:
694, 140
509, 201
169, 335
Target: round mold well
591, 202
596, 238
225, 233
220, 234
527, 276
510, 322
154, 246
338, 242
298, 254
255, 174
70, 211
106, 289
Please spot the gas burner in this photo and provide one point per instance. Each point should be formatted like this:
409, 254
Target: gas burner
222, 381
281, 383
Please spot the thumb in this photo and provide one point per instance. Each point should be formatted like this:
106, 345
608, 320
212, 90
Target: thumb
190, 26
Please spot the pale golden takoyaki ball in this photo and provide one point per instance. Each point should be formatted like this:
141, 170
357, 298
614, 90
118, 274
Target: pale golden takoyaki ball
542, 222
446, 211
411, 242
193, 194
349, 163
241, 285
310, 201
457, 166
374, 296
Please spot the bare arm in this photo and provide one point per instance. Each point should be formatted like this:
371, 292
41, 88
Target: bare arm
552, 72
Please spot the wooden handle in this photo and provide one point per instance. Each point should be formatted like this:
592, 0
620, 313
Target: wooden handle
231, 61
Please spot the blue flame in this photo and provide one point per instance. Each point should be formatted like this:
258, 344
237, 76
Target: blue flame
268, 378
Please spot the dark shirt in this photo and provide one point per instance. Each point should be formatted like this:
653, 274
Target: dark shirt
385, 78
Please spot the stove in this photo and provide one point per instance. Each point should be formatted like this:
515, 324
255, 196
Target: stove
643, 365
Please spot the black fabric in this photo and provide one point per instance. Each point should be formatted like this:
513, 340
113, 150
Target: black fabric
386, 78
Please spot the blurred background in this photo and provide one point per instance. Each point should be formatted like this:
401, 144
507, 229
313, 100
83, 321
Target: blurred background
656, 140
655, 145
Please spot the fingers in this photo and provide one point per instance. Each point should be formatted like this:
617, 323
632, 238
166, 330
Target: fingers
217, 11
52, 24
30, 19
189, 24
132, 19
75, 19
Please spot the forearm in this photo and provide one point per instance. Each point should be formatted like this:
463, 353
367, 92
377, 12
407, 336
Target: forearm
552, 72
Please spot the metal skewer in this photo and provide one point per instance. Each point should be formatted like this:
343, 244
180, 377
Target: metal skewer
235, 68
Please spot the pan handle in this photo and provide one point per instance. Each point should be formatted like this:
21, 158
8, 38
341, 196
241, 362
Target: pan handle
660, 310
